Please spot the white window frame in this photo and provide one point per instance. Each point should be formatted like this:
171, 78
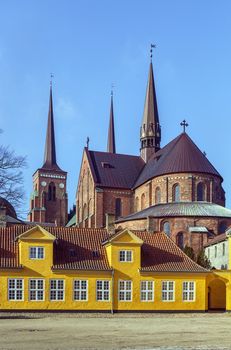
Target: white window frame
125, 290
36, 255
80, 290
167, 291
15, 289
37, 290
103, 290
186, 291
125, 253
57, 290
146, 291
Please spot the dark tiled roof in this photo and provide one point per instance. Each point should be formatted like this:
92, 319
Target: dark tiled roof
180, 209
179, 156
216, 239
114, 170
160, 254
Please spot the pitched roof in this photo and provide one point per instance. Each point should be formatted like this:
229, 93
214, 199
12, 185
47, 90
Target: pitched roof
74, 248
219, 238
181, 209
160, 254
111, 147
50, 152
178, 156
80, 249
114, 170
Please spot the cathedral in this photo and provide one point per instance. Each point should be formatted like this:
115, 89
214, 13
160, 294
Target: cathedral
174, 189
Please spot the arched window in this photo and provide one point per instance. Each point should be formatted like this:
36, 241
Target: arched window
157, 195
84, 211
142, 201
118, 206
137, 204
176, 193
166, 228
180, 240
222, 227
52, 192
200, 192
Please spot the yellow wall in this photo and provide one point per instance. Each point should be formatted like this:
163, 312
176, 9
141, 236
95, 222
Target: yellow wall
122, 271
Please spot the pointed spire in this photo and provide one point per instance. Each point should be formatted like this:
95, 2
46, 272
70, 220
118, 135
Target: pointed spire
111, 148
150, 134
50, 153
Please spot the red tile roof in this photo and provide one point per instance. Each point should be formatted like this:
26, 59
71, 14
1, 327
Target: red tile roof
114, 170
178, 156
82, 249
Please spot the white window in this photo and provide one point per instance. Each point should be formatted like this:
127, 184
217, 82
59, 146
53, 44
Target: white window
125, 255
80, 290
36, 252
125, 290
15, 289
36, 289
168, 290
56, 289
146, 291
103, 290
188, 291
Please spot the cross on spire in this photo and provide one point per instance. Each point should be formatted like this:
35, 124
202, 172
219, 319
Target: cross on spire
151, 49
184, 124
51, 79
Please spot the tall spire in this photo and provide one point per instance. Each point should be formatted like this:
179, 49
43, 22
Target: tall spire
111, 148
150, 133
50, 153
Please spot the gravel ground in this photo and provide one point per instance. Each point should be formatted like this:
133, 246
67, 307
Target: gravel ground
55, 331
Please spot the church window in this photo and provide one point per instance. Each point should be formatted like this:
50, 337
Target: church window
166, 228
85, 211
118, 206
157, 195
200, 192
176, 193
142, 201
222, 227
137, 204
52, 192
180, 240
90, 206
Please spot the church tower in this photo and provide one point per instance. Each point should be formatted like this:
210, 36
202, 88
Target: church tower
150, 132
111, 147
49, 198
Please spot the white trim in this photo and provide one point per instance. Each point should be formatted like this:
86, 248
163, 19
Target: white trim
80, 289
104, 290
36, 289
188, 291
147, 291
57, 279
15, 289
168, 291
36, 252
125, 290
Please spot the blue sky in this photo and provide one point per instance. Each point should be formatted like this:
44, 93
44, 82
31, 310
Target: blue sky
89, 45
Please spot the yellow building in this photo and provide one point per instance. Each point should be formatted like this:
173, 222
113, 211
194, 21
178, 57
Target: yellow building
88, 269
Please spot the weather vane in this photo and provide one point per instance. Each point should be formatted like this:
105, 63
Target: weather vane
153, 46
112, 89
184, 124
51, 78
88, 140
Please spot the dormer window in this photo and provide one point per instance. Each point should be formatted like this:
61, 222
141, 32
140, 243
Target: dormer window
106, 165
36, 253
125, 256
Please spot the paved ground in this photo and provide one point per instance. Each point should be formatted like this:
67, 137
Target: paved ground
121, 331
